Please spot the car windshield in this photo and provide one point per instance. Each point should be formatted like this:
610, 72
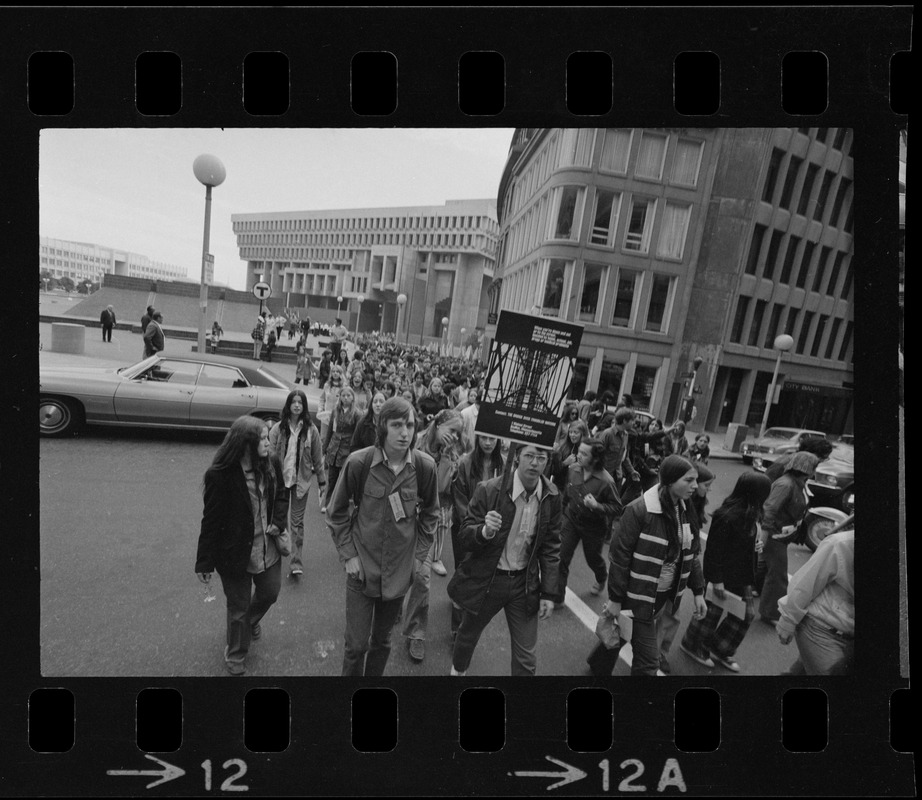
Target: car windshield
780, 433
843, 452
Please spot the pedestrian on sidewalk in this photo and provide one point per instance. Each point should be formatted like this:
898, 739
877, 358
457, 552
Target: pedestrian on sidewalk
154, 339
245, 509
382, 517
271, 341
145, 321
216, 333
107, 319
729, 566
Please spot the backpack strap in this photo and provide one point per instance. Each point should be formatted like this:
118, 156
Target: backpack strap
363, 476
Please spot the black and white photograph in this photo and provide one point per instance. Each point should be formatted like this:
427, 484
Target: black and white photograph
233, 321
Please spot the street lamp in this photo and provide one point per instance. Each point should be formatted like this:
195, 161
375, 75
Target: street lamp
463, 331
783, 343
210, 171
360, 299
401, 302
444, 333
340, 301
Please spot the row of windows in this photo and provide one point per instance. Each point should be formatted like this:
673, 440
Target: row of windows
838, 136
654, 158
369, 239
798, 263
814, 191
365, 223
604, 294
74, 256
809, 338
558, 216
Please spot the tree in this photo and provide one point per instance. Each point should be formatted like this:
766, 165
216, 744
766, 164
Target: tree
67, 284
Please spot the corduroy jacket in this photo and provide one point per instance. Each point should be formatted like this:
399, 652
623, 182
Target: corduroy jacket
638, 550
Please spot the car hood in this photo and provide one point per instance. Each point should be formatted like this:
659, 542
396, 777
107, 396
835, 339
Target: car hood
836, 468
80, 371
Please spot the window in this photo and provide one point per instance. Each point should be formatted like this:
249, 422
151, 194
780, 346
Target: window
566, 220
605, 217
183, 372
755, 249
844, 185
770, 261
771, 179
807, 190
772, 332
222, 377
846, 342
818, 336
805, 260
805, 331
616, 147
592, 292
650, 156
789, 256
834, 276
673, 229
847, 284
742, 306
657, 316
823, 197
642, 386
756, 325
833, 335
686, 162
789, 181
624, 298
555, 286
825, 254
640, 225
575, 147
840, 138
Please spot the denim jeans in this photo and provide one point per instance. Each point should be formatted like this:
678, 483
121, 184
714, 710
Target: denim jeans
369, 621
416, 612
506, 593
775, 585
570, 536
245, 608
822, 651
645, 640
296, 522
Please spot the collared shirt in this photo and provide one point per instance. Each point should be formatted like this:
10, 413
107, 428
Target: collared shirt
397, 466
263, 553
290, 466
524, 525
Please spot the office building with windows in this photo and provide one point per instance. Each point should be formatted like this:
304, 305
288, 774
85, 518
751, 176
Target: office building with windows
669, 245
441, 258
82, 261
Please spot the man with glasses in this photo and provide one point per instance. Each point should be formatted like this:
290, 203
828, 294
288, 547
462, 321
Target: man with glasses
511, 535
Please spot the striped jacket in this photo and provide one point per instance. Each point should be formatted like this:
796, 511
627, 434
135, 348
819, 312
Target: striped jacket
638, 550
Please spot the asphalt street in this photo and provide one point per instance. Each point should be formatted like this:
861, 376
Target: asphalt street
120, 515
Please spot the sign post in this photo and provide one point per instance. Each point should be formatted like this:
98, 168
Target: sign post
263, 291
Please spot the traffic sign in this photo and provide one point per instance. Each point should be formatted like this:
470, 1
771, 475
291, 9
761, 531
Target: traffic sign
208, 263
262, 290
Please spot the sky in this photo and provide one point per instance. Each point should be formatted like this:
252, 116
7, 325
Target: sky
133, 189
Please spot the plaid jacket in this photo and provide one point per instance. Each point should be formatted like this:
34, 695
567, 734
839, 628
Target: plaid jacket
639, 549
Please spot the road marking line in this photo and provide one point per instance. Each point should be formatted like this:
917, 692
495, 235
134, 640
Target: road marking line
589, 618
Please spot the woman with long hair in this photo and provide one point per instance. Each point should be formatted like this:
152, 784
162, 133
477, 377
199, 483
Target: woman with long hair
653, 558
729, 566
569, 414
783, 511
590, 504
675, 439
435, 400
296, 444
366, 432
329, 397
245, 509
563, 456
362, 397
442, 441
338, 441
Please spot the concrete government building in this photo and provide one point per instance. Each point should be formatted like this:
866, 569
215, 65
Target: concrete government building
80, 260
440, 257
669, 245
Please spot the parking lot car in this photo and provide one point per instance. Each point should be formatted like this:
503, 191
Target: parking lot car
185, 391
834, 480
776, 442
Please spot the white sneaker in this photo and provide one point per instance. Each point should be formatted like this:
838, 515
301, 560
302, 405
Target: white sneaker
439, 568
455, 673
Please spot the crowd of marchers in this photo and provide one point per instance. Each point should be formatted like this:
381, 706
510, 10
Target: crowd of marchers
401, 473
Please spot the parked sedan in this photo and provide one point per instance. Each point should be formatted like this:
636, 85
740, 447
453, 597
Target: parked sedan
833, 483
185, 391
776, 442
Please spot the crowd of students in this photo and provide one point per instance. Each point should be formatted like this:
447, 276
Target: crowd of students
400, 472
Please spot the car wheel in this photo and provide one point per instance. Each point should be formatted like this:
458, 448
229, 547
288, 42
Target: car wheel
747, 460
817, 529
58, 416
269, 419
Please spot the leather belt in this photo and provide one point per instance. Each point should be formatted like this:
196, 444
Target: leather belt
510, 571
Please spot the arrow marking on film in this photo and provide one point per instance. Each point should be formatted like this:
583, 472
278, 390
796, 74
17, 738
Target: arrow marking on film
168, 773
571, 775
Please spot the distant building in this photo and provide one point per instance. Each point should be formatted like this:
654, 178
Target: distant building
440, 257
84, 261
673, 244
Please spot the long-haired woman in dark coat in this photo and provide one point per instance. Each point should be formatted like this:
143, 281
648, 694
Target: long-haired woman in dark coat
245, 509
